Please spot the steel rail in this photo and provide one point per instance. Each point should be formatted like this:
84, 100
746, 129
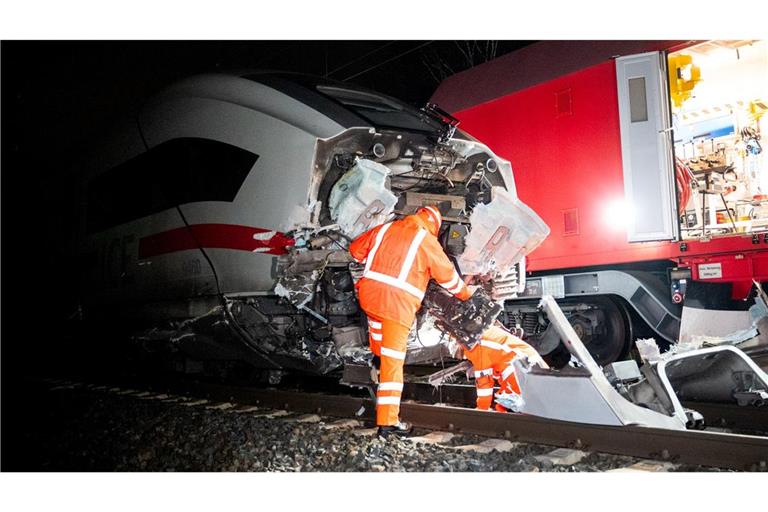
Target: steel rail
733, 451
715, 414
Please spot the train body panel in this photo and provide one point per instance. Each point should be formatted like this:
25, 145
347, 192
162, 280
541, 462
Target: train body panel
239, 113
632, 171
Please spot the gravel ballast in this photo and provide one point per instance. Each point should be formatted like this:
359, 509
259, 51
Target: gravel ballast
79, 429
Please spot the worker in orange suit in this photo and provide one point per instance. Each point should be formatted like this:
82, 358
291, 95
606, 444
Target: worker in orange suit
400, 257
492, 360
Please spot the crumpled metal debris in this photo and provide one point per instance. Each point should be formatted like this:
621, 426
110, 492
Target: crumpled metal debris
465, 320
299, 289
351, 344
447, 374
648, 349
503, 232
360, 199
237, 330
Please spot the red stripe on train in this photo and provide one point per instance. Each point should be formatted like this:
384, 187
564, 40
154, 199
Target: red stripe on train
215, 236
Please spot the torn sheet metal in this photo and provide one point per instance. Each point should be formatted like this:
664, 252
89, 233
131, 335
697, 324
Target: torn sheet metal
503, 232
258, 331
214, 335
712, 323
352, 344
446, 375
648, 349
361, 200
715, 374
427, 343
582, 394
299, 290
722, 326
746, 330
651, 397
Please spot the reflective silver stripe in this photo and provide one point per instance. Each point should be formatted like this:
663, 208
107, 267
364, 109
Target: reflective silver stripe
411, 255
390, 386
437, 216
400, 281
453, 282
507, 372
394, 354
388, 400
375, 325
480, 373
376, 244
456, 289
376, 336
392, 281
484, 391
494, 345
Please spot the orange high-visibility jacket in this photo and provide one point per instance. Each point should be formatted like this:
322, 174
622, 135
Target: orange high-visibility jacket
492, 359
400, 258
496, 350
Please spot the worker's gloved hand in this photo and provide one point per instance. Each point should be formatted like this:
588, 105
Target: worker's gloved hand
510, 401
356, 271
518, 331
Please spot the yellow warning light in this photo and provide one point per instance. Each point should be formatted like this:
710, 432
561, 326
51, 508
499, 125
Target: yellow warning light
757, 108
683, 77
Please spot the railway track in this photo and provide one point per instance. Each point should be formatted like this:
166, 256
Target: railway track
716, 449
749, 420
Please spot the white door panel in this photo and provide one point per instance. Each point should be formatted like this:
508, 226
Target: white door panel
646, 148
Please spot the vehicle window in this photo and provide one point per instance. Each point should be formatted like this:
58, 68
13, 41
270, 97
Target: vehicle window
381, 110
175, 172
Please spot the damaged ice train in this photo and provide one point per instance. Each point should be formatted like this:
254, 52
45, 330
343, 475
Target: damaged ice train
219, 218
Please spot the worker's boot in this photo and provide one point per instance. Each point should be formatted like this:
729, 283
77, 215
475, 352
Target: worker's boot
401, 428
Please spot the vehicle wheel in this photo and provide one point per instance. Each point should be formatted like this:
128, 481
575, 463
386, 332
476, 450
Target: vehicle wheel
609, 341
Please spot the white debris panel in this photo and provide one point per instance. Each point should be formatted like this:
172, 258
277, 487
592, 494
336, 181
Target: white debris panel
503, 232
360, 200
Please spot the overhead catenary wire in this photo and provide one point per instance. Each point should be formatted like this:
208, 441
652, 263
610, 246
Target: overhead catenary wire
358, 59
388, 60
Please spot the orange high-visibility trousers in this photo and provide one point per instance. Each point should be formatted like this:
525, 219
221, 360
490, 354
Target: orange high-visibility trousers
488, 365
492, 360
388, 340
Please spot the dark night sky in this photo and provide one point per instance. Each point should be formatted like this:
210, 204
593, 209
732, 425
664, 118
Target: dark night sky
66, 92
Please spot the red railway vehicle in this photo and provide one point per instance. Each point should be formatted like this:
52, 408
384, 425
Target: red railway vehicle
644, 159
